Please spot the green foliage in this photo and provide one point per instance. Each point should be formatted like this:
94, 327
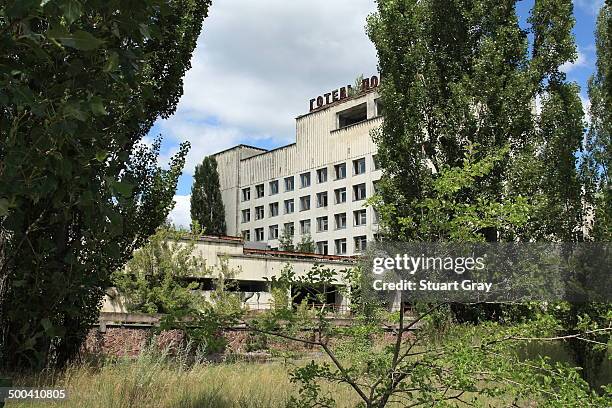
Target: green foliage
81, 83
459, 75
481, 138
206, 201
357, 87
455, 209
285, 242
306, 244
597, 158
452, 365
222, 310
559, 213
155, 279
310, 391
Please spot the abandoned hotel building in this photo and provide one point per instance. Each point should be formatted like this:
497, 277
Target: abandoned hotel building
314, 187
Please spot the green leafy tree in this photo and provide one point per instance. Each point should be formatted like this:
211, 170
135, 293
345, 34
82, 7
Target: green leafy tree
444, 213
162, 278
457, 74
306, 244
156, 279
597, 159
437, 365
206, 201
82, 82
204, 324
285, 241
595, 172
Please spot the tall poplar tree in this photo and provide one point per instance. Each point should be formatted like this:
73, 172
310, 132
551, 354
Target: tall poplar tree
206, 201
595, 172
598, 159
458, 75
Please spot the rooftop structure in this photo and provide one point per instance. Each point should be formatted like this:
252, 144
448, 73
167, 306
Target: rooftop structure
316, 186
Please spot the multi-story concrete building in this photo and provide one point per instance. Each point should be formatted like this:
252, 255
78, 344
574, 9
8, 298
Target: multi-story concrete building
316, 186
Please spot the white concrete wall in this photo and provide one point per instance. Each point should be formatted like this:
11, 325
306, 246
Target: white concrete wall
319, 143
246, 267
228, 166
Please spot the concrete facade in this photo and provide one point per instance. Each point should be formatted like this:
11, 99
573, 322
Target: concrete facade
255, 183
252, 270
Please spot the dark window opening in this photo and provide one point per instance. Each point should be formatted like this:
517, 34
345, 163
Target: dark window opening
352, 116
314, 295
250, 286
230, 285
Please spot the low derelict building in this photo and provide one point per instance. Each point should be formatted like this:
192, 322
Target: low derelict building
316, 186
252, 269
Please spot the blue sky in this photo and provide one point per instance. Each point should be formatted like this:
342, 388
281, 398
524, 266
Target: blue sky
257, 64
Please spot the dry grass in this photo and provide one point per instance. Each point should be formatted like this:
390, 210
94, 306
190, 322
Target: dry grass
150, 382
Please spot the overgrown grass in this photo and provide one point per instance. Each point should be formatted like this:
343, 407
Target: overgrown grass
150, 381
156, 380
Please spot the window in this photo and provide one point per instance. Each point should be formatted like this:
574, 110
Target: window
289, 206
259, 212
322, 248
246, 235
289, 185
359, 166
322, 199
305, 227
322, 224
259, 190
246, 194
353, 115
246, 215
340, 246
340, 171
305, 203
289, 229
273, 232
376, 217
376, 161
359, 192
274, 187
259, 234
340, 220
361, 243
322, 175
380, 110
376, 186
340, 194
305, 180
360, 217
273, 209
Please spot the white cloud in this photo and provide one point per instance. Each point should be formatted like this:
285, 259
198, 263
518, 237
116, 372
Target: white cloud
257, 64
180, 214
538, 104
586, 107
581, 61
